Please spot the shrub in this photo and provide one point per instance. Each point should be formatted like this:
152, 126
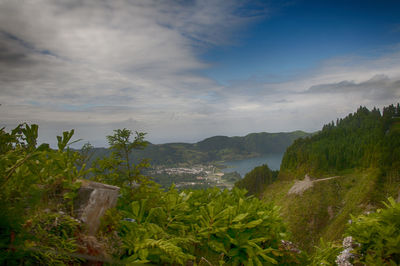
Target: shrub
378, 234
371, 239
206, 225
34, 179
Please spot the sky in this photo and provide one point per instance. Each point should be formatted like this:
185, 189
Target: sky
182, 71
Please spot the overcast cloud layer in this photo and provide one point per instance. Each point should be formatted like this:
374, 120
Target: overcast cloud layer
100, 65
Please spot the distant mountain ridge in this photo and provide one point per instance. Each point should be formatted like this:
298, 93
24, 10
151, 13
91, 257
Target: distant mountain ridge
216, 148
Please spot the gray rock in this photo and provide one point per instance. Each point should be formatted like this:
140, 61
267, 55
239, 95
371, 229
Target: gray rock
92, 201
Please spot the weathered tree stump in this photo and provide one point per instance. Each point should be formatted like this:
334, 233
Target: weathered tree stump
92, 201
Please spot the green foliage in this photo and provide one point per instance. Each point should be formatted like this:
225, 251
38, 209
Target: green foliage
373, 239
32, 179
211, 225
118, 168
108, 232
378, 234
257, 180
28, 170
121, 143
39, 185
325, 253
51, 239
86, 153
64, 140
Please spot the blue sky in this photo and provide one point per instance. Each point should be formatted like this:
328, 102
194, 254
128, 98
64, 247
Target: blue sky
296, 37
187, 70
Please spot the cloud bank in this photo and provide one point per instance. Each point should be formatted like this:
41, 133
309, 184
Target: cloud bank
100, 65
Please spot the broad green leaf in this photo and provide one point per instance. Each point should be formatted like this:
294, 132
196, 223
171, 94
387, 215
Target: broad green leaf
240, 217
217, 246
135, 208
254, 223
268, 258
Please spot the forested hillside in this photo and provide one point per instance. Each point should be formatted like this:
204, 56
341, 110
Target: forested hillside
364, 139
354, 165
218, 148
257, 180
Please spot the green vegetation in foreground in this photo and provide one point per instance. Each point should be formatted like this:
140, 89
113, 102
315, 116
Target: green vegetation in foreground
149, 225
38, 185
211, 226
363, 150
205, 226
371, 239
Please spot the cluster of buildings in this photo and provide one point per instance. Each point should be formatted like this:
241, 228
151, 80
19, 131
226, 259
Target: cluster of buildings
199, 170
206, 175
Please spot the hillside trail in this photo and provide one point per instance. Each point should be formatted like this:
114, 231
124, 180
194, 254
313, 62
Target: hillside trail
300, 186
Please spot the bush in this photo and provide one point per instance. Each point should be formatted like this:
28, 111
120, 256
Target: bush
371, 239
211, 225
35, 179
378, 234
51, 239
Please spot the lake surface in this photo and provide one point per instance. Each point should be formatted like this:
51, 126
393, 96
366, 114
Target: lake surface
244, 166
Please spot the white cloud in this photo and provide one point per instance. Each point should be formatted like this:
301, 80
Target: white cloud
100, 65
106, 62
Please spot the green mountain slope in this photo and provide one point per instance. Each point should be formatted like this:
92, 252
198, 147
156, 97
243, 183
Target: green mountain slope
361, 153
218, 148
363, 139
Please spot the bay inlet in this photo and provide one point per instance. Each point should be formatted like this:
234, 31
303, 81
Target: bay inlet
246, 165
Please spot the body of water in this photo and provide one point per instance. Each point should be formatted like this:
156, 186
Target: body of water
244, 166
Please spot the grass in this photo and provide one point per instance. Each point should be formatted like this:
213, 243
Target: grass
324, 210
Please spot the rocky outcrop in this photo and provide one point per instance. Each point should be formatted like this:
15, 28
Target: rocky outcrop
300, 186
92, 201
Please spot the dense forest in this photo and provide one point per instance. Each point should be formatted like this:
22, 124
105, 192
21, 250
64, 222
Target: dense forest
363, 139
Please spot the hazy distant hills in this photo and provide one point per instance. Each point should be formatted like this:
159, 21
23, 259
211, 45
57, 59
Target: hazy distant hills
217, 148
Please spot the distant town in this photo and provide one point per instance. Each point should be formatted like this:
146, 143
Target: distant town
193, 177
